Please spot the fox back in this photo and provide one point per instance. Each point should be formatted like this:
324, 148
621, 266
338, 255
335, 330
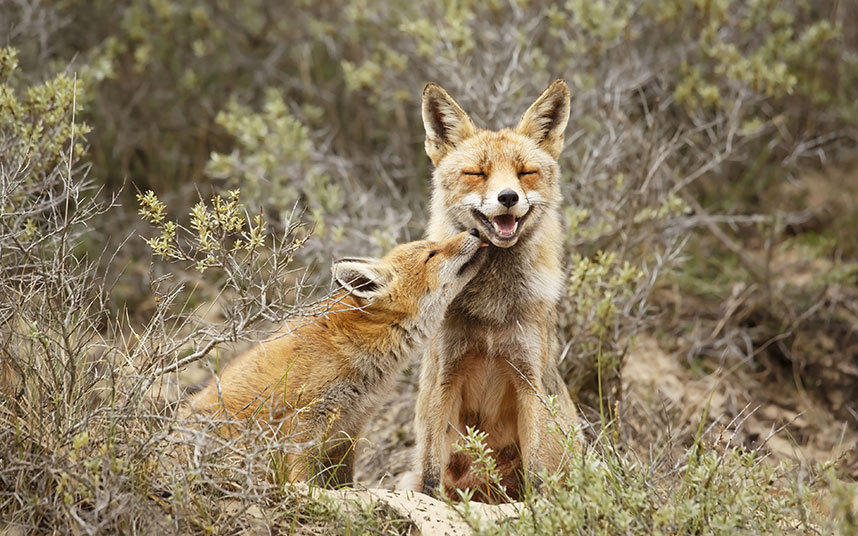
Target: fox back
321, 378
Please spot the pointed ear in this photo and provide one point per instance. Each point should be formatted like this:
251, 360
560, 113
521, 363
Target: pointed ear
445, 122
360, 276
546, 118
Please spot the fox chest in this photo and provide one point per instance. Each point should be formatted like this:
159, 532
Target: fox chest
485, 399
505, 294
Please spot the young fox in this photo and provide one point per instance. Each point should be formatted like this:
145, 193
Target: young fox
493, 364
320, 380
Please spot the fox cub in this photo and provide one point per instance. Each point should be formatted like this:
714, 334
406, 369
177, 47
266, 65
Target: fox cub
319, 381
493, 364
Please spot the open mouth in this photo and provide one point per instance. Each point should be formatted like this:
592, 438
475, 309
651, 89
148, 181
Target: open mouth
504, 226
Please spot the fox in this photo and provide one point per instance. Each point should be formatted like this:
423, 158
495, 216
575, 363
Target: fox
492, 366
319, 381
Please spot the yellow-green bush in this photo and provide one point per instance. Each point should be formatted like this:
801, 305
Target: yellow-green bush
710, 492
313, 107
89, 437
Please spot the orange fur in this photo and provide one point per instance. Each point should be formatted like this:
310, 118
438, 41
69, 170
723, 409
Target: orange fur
493, 363
338, 367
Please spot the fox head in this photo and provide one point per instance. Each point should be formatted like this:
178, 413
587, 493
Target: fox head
502, 182
419, 278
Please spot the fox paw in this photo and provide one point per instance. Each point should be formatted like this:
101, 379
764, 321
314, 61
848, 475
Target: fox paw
430, 485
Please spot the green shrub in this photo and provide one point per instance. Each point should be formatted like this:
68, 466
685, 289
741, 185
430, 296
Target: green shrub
709, 492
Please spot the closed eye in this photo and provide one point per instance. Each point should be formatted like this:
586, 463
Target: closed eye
473, 173
527, 173
431, 254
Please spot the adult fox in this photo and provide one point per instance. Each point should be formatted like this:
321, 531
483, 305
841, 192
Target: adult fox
492, 365
321, 379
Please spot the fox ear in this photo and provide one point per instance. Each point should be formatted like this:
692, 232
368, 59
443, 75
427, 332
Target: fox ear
360, 276
445, 122
546, 118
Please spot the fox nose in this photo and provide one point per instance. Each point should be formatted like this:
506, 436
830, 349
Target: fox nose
508, 197
474, 232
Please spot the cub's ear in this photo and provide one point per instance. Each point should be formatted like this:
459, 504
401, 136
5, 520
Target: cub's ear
360, 276
445, 122
546, 118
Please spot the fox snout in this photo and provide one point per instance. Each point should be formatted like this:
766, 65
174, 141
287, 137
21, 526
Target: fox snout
505, 197
466, 243
508, 197
464, 251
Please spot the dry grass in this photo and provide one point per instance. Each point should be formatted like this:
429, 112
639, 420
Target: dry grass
712, 284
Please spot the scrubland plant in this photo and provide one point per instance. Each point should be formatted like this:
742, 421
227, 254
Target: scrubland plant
713, 487
686, 118
684, 114
726, 491
248, 268
317, 104
52, 297
87, 397
279, 167
671, 91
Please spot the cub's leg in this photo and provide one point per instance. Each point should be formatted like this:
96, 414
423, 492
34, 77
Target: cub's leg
335, 420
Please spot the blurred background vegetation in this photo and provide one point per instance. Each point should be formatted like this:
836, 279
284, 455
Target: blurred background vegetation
710, 180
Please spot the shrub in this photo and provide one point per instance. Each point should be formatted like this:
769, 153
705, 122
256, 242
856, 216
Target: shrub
87, 397
686, 116
711, 491
673, 102
709, 487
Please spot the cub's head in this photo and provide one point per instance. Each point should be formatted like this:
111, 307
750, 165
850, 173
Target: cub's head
502, 182
417, 279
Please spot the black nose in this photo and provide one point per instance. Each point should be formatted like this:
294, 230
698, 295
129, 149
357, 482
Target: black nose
474, 232
508, 197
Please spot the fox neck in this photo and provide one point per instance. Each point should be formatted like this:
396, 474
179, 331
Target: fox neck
512, 281
383, 342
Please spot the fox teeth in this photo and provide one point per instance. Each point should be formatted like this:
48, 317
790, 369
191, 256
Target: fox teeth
501, 233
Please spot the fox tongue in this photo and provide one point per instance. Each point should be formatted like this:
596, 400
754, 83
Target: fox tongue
504, 225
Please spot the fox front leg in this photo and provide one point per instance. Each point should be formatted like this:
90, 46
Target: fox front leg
434, 413
430, 479
436, 446
530, 432
333, 419
534, 419
426, 466
428, 444
543, 427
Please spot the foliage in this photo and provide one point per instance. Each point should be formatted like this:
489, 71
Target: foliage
176, 81
599, 329
88, 436
689, 121
52, 296
278, 166
711, 487
712, 491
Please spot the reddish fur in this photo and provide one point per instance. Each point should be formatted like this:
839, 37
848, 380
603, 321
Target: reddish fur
497, 345
296, 369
